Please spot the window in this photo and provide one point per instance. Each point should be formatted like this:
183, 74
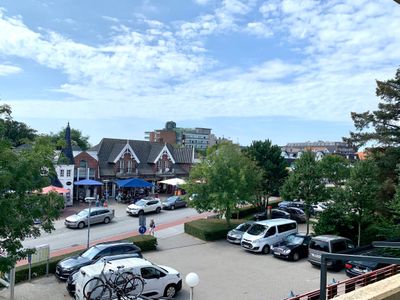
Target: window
286, 227
121, 165
319, 245
150, 273
83, 164
62, 173
338, 246
68, 173
271, 231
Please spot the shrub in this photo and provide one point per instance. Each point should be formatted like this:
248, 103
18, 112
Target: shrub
210, 229
145, 242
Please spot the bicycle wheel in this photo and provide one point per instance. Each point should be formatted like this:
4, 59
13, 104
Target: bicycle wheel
100, 292
91, 285
133, 288
121, 280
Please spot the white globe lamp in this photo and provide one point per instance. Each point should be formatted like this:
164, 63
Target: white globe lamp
192, 280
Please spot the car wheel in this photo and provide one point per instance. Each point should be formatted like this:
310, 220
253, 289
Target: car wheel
170, 291
172, 207
81, 225
266, 249
106, 220
158, 209
296, 256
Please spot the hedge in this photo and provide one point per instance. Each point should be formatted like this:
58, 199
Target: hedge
210, 229
145, 242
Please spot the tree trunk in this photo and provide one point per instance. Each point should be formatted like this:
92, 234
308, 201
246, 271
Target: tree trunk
228, 216
359, 234
308, 221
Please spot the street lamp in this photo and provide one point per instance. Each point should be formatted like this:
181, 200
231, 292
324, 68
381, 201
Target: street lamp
192, 280
106, 181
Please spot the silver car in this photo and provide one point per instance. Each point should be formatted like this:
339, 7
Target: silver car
235, 235
97, 215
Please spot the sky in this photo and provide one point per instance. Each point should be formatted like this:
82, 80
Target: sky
284, 70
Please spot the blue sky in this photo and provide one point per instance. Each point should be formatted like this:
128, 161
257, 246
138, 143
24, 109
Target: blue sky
284, 70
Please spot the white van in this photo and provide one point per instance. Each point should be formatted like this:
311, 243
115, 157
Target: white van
262, 234
159, 280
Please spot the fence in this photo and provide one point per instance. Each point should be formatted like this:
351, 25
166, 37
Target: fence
348, 285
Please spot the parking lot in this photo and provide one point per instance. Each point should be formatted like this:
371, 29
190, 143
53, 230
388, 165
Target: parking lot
226, 272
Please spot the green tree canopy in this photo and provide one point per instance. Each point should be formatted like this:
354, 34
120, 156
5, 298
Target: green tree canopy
269, 159
224, 179
16, 133
77, 138
23, 174
384, 122
305, 183
335, 169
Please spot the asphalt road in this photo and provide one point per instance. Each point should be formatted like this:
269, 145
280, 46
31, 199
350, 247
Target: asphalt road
64, 237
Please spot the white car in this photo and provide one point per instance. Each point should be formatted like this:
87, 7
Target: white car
145, 205
160, 281
319, 208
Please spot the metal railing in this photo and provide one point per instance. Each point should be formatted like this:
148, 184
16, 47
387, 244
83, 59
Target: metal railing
348, 285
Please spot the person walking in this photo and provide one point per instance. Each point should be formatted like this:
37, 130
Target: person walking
152, 227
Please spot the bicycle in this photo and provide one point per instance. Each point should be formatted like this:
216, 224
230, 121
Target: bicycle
125, 285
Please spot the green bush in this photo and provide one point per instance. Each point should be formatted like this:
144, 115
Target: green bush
210, 229
144, 242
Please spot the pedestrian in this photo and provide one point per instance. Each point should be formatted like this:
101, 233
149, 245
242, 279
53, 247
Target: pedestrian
105, 203
152, 227
97, 202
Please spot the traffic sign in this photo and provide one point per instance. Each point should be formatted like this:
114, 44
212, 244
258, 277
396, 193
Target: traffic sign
142, 229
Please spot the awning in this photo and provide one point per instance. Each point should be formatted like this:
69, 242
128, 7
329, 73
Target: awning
133, 183
55, 189
88, 182
173, 181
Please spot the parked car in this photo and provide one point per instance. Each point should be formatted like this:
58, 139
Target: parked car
71, 281
69, 265
262, 234
319, 208
146, 205
296, 204
235, 235
90, 199
296, 214
294, 247
275, 214
174, 202
97, 215
355, 268
159, 280
330, 244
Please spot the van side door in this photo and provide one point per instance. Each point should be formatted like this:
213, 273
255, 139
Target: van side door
271, 236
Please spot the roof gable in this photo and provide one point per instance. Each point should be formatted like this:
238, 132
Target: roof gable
126, 149
163, 151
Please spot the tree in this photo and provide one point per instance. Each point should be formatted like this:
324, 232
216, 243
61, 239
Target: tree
269, 159
360, 192
384, 121
335, 169
305, 183
17, 133
23, 174
77, 138
224, 179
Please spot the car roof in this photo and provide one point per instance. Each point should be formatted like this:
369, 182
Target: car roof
272, 222
328, 238
96, 208
114, 243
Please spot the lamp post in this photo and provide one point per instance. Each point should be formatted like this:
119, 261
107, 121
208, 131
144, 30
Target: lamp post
106, 181
192, 280
88, 227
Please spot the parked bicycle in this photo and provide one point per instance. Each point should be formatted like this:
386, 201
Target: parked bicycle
121, 285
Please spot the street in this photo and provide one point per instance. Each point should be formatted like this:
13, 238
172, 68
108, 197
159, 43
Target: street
63, 237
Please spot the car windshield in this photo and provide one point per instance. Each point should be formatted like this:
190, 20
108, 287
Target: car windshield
172, 199
83, 213
257, 229
90, 253
141, 203
243, 227
293, 240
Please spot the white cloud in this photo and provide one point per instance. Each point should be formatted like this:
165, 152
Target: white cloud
340, 49
202, 2
111, 19
6, 70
